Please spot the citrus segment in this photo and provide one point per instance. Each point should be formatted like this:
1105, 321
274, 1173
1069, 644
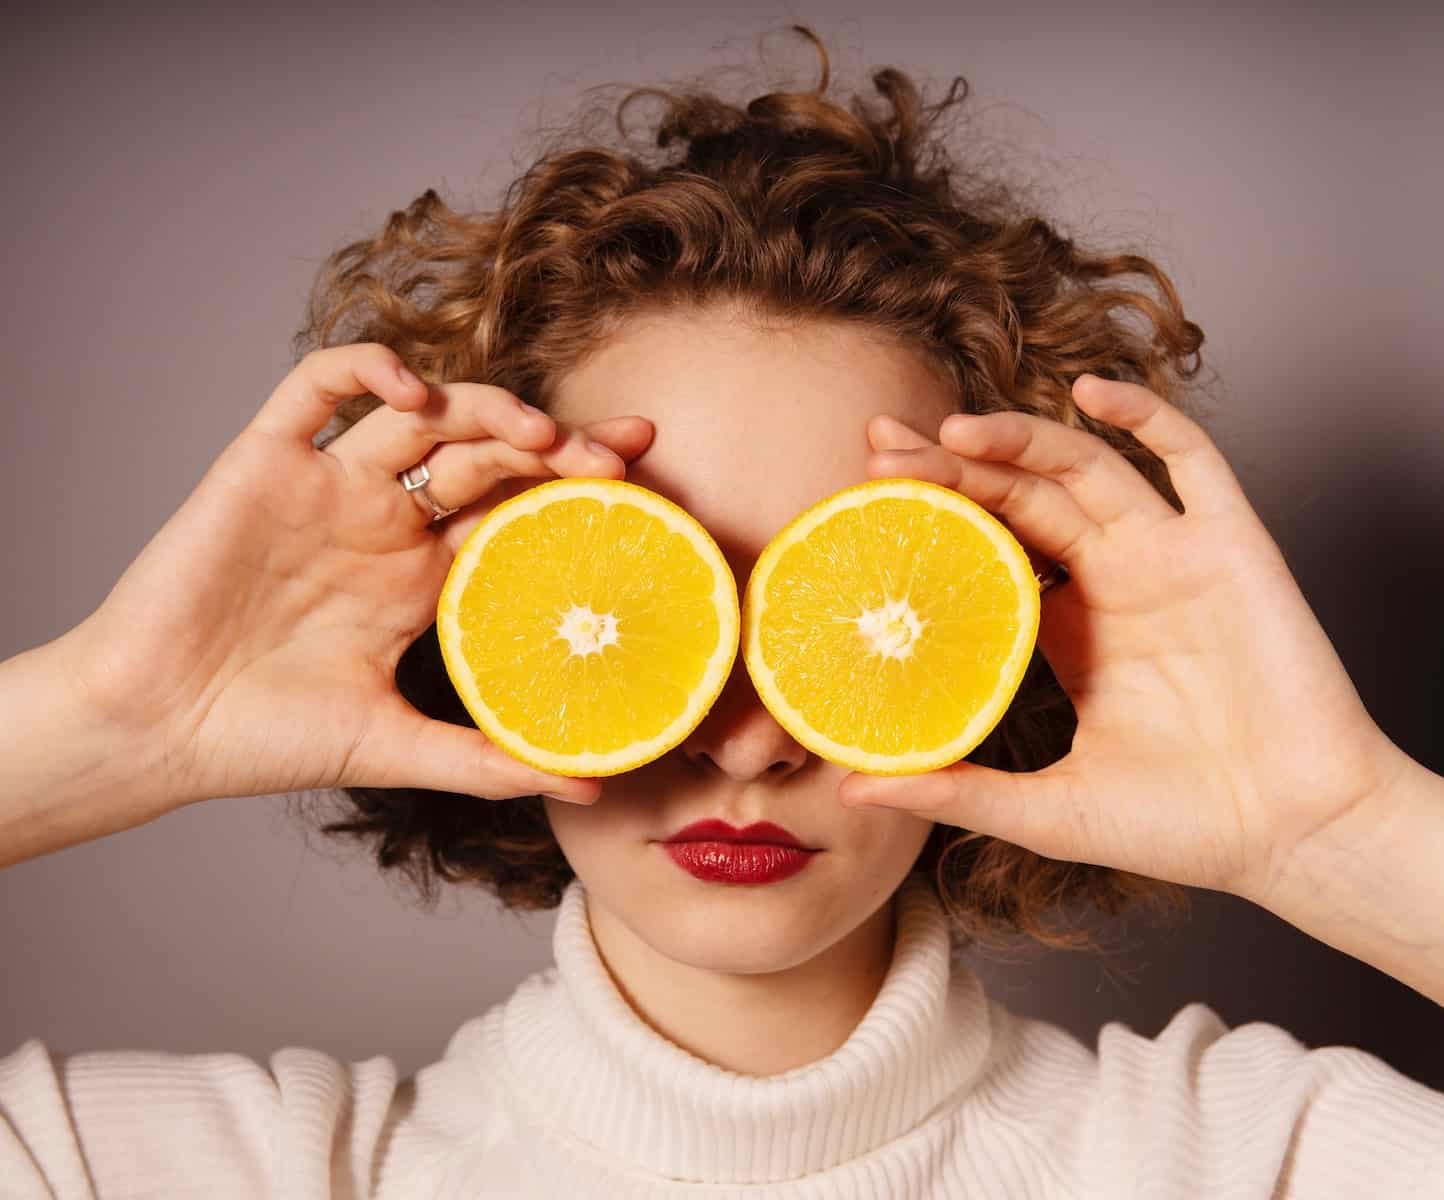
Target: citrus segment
588, 625
887, 628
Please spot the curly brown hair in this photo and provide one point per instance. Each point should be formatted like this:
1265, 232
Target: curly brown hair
802, 208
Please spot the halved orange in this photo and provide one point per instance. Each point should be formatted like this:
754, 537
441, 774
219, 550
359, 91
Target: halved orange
887, 627
588, 625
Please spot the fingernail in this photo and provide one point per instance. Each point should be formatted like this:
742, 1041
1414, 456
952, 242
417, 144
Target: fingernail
567, 799
532, 408
407, 377
598, 448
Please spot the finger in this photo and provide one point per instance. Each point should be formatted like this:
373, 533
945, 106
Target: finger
477, 476
1043, 811
888, 433
464, 472
388, 441
406, 749
1106, 486
307, 397
1201, 475
1040, 513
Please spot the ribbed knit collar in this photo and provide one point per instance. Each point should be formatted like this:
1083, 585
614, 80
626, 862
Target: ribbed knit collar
597, 1074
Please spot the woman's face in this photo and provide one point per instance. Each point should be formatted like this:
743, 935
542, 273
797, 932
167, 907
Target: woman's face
751, 427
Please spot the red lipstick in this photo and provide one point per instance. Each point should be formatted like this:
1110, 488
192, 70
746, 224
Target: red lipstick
714, 851
713, 830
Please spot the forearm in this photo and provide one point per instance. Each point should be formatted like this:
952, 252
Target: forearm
67, 774
1372, 884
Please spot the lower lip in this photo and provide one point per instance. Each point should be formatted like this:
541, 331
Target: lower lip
738, 862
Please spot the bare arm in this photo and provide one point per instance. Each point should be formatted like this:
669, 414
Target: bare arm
250, 649
67, 773
1220, 742
1371, 882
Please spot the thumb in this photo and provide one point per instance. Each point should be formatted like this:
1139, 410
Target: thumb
1042, 811
403, 748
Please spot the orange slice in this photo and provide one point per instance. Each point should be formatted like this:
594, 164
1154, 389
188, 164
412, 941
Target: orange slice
887, 628
588, 625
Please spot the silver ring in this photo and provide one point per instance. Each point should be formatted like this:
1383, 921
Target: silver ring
415, 479
1056, 577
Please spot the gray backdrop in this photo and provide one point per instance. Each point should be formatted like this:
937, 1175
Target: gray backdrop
173, 178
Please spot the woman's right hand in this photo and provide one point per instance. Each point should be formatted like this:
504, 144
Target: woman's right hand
258, 633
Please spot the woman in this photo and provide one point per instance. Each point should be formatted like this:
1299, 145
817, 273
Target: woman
800, 297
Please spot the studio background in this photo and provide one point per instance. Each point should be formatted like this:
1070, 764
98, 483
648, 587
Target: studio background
175, 176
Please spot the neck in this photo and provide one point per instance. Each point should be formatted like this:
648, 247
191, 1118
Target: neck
754, 1024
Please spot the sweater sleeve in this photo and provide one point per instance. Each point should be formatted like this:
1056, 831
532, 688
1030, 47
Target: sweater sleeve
109, 1125
1207, 1110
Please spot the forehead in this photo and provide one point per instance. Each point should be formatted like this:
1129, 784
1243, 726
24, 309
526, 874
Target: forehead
753, 421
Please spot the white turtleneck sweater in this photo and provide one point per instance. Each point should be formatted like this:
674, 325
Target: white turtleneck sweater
562, 1090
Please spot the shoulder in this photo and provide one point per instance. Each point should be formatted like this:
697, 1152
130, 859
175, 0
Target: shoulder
1198, 1055
218, 1123
223, 1124
1215, 1104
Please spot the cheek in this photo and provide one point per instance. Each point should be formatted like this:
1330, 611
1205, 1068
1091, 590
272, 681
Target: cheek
884, 827
572, 823
897, 837
605, 830
876, 843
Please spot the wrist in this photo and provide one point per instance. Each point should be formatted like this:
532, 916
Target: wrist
72, 766
1370, 882
105, 704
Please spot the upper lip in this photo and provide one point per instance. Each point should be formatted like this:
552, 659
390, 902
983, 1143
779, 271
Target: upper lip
714, 830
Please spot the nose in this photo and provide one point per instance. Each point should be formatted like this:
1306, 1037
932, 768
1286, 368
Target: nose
741, 738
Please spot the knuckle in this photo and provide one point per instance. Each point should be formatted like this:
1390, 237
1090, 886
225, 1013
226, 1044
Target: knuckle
1029, 432
573, 440
1078, 469
494, 407
1017, 491
1200, 448
488, 468
959, 427
494, 462
1008, 422
1072, 548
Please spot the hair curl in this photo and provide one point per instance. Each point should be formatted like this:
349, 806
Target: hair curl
803, 209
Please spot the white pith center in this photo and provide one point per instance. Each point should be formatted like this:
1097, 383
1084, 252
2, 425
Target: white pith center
891, 630
587, 632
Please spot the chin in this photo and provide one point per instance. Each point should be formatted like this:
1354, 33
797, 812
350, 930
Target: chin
736, 929
714, 945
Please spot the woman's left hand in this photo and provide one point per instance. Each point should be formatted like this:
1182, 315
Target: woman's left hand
1217, 728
